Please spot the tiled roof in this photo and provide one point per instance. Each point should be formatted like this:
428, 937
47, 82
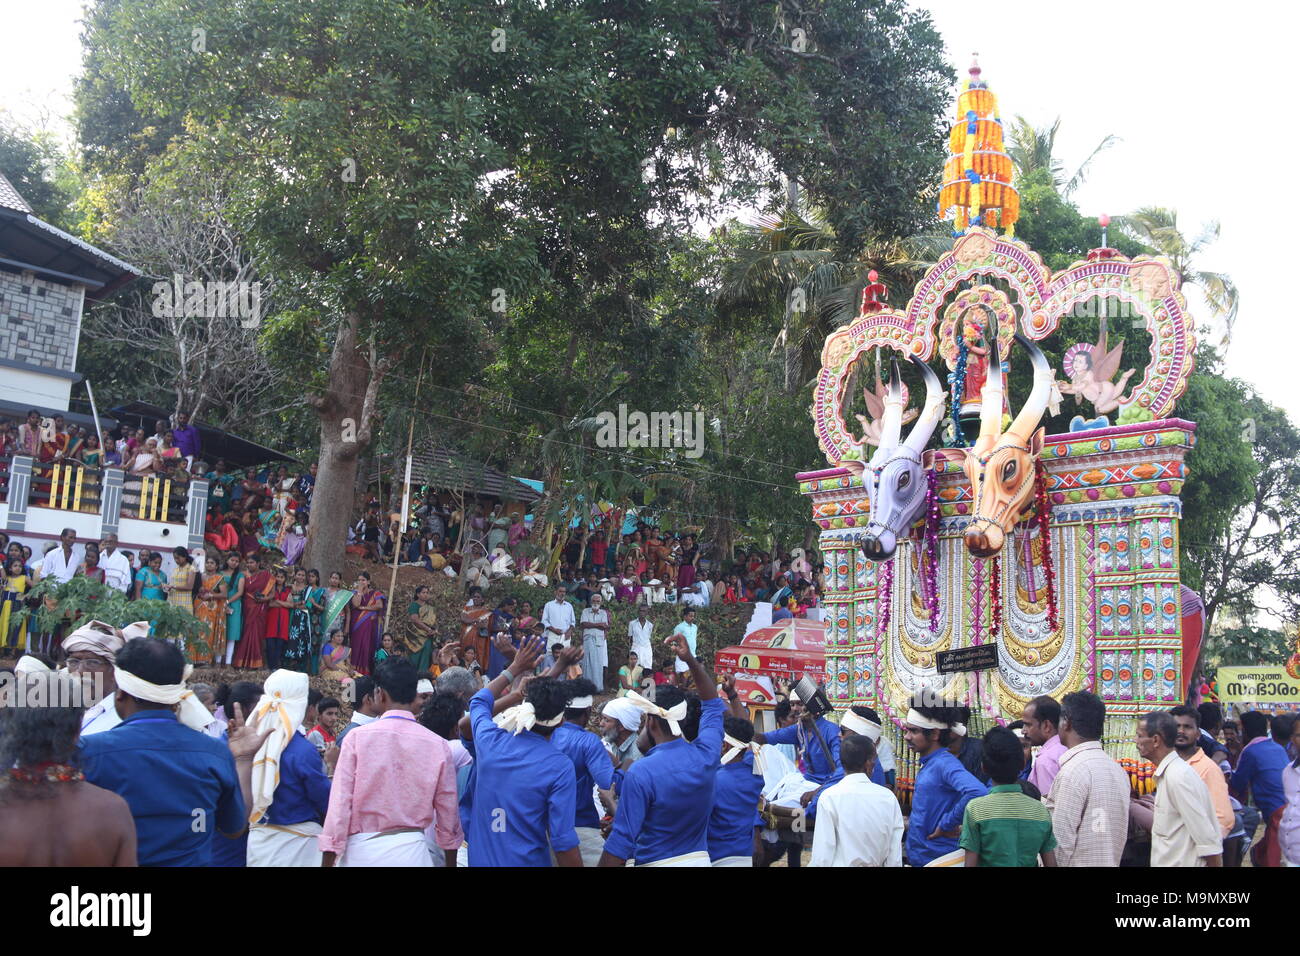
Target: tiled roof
9, 197
443, 468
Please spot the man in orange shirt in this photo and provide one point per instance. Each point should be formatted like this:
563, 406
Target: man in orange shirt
1189, 748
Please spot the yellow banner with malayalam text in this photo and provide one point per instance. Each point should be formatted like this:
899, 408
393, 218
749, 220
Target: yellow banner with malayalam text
1263, 684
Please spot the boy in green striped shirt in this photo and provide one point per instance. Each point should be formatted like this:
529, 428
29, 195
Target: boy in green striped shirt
1006, 827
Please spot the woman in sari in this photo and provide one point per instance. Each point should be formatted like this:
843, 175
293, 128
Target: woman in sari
12, 632
298, 653
420, 619
76, 443
168, 451
180, 586
248, 543
258, 587
277, 620
90, 567
234, 602
334, 660
211, 610
365, 615
268, 533
337, 598
315, 603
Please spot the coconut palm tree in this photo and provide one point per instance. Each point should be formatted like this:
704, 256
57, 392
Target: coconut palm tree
793, 260
1032, 148
1157, 228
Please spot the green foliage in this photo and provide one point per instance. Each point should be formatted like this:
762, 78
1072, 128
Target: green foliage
1247, 646
83, 599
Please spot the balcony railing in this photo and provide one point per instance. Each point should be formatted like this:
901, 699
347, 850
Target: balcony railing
68, 486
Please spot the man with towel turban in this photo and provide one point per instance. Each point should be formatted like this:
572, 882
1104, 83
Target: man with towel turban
92, 651
178, 782
290, 790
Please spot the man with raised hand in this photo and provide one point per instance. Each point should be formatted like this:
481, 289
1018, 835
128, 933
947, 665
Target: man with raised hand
664, 806
524, 787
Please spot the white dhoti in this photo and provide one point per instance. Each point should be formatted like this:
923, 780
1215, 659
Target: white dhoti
590, 844
292, 845
735, 861
390, 848
698, 858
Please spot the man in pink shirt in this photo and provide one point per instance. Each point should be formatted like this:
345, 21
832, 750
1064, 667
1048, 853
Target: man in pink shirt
1042, 719
394, 779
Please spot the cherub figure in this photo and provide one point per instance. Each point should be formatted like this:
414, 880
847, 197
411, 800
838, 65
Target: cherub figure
1091, 368
871, 428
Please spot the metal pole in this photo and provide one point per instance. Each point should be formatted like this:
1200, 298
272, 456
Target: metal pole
406, 497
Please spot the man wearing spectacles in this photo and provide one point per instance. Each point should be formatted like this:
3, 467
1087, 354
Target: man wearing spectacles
92, 651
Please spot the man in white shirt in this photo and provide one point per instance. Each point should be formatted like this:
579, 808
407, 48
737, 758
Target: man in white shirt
688, 629
558, 618
1184, 831
859, 823
595, 652
61, 562
639, 634
117, 569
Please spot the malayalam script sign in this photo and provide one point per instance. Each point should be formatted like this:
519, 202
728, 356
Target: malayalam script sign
978, 657
1258, 685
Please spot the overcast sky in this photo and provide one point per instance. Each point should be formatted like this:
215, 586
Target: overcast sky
1194, 91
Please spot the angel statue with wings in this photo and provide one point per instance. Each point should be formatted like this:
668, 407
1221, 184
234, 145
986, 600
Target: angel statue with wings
1091, 368
876, 406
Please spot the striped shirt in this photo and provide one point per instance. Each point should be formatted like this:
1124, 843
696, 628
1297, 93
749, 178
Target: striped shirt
1089, 805
1007, 828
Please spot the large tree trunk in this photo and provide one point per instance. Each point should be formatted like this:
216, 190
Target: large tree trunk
346, 410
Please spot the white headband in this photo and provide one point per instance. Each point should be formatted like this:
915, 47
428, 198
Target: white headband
30, 665
192, 713
674, 715
738, 748
424, 687
580, 703
523, 717
925, 723
860, 725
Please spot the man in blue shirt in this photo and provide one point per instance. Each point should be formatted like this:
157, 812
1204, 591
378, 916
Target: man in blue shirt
524, 788
592, 766
663, 810
178, 782
1259, 773
737, 790
943, 785
816, 739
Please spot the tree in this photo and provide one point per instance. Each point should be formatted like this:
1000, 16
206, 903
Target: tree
1157, 228
205, 352
1033, 148
1246, 646
1249, 560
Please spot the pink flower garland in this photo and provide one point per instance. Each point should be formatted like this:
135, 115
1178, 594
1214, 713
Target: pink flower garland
884, 595
1045, 533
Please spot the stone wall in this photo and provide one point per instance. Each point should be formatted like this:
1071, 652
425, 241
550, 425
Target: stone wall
40, 321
